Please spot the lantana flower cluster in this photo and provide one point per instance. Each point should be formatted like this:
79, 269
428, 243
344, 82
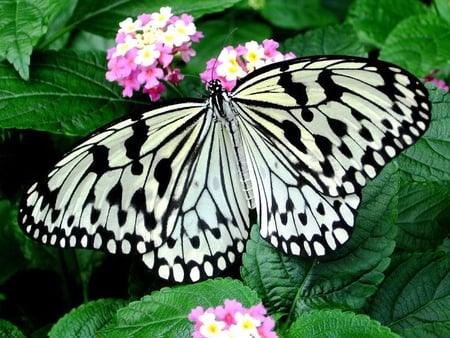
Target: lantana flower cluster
234, 63
146, 48
232, 320
438, 83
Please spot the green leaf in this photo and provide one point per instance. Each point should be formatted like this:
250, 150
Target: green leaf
103, 17
67, 94
87, 319
297, 14
335, 323
9, 330
419, 220
429, 159
85, 41
338, 7
414, 299
445, 246
11, 257
330, 40
374, 20
165, 313
22, 24
420, 44
442, 8
58, 34
294, 285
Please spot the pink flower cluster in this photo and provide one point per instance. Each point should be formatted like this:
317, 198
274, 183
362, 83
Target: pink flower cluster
438, 83
234, 63
146, 48
232, 320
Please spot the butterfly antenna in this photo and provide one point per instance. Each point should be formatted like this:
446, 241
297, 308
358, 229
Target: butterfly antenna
225, 42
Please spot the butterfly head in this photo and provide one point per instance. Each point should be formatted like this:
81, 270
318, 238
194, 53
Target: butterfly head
215, 87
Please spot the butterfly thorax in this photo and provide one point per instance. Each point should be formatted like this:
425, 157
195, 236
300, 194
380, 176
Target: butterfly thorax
219, 101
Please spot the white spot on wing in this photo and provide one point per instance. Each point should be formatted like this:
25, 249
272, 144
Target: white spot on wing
194, 275
111, 246
208, 268
319, 248
341, 235
221, 263
125, 246
390, 151
370, 170
164, 271
295, 248
178, 272
140, 247
97, 241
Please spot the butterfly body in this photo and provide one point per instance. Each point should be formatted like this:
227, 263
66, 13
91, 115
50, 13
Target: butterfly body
296, 140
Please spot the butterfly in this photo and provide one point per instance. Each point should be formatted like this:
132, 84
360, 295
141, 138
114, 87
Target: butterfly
296, 140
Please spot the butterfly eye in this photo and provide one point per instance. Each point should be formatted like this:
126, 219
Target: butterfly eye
176, 185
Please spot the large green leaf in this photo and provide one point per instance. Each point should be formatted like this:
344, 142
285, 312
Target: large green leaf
414, 299
419, 43
87, 319
420, 222
374, 19
429, 159
66, 94
103, 17
297, 14
424, 192
335, 323
330, 40
165, 313
22, 24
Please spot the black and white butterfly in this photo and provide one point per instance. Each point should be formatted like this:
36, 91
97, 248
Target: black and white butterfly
296, 140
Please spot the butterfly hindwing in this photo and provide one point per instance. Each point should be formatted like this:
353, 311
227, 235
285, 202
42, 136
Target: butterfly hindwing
294, 216
152, 183
213, 223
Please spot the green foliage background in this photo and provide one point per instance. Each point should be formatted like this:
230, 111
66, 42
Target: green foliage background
391, 279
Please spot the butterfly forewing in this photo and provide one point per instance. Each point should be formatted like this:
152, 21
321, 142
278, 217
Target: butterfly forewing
297, 138
340, 119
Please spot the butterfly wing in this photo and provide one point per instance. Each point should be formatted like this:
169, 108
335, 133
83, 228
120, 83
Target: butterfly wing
143, 185
293, 215
315, 129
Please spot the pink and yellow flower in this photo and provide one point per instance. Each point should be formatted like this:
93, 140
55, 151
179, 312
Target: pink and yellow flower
234, 63
145, 49
232, 320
